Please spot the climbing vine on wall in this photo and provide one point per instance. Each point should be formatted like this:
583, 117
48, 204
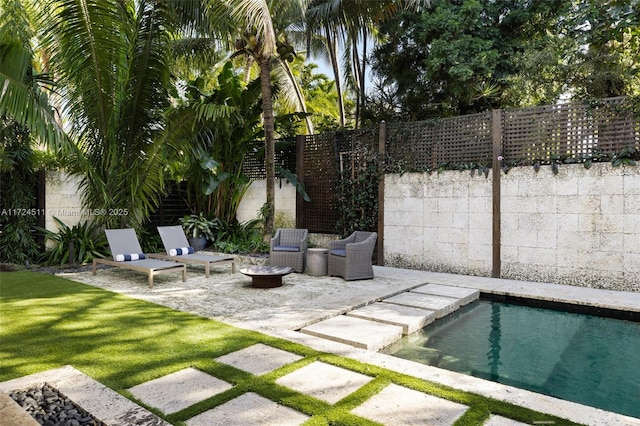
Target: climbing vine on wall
357, 191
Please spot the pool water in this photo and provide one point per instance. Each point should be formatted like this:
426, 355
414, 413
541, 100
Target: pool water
586, 359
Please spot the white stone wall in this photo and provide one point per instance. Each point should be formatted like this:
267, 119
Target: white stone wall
63, 200
439, 222
579, 227
254, 199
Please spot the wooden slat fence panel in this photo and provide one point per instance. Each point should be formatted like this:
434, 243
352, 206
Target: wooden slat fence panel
426, 145
321, 173
574, 130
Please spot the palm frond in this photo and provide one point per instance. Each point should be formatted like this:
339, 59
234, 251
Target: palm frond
88, 49
21, 95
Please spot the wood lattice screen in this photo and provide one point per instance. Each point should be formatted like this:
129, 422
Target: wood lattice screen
426, 145
528, 135
568, 130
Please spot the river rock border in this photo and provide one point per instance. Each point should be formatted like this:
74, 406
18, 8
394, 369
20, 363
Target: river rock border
103, 403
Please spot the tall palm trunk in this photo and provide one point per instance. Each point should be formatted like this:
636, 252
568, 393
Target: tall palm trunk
269, 143
333, 58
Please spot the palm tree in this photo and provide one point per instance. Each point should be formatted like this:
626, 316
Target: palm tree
108, 64
252, 27
347, 25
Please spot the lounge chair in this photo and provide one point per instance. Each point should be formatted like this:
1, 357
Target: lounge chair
288, 248
127, 253
178, 250
350, 258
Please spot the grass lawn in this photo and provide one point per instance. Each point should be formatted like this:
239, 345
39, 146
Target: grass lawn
47, 322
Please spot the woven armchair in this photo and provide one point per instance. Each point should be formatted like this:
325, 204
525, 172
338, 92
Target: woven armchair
288, 248
350, 258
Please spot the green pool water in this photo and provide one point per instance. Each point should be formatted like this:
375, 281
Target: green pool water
586, 359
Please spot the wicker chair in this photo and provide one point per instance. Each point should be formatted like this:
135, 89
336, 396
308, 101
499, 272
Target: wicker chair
288, 248
350, 258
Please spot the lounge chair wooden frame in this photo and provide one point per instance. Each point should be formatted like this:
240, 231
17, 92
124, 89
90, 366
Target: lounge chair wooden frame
123, 241
173, 237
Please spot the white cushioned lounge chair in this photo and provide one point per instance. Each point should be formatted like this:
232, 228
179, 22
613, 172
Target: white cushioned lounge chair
178, 250
127, 253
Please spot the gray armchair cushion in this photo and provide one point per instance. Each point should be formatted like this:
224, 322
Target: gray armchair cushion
286, 248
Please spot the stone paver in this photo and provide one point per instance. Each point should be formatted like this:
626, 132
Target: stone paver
356, 332
13, 414
502, 421
249, 409
324, 381
397, 405
441, 305
409, 318
259, 359
465, 295
179, 390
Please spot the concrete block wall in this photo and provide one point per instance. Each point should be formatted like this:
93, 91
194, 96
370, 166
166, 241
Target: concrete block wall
255, 197
63, 200
579, 227
438, 222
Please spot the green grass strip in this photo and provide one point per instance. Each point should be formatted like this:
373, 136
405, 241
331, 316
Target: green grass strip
48, 321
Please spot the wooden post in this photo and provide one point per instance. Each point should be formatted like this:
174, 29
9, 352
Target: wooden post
382, 139
496, 167
300, 139
41, 206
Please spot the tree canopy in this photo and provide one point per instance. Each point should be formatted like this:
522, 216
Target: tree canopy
460, 57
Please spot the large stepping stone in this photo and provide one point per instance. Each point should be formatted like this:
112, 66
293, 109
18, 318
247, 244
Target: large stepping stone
249, 409
442, 306
409, 318
324, 381
465, 295
397, 405
259, 359
179, 390
356, 332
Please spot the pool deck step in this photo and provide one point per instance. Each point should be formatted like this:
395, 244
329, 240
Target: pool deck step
381, 323
356, 332
409, 318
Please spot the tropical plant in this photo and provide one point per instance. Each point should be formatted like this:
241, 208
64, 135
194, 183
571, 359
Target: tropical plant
198, 226
17, 194
235, 237
109, 64
228, 119
24, 85
339, 30
78, 244
254, 28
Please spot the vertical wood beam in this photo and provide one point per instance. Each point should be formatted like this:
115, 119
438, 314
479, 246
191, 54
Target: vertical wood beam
382, 139
496, 167
41, 205
300, 139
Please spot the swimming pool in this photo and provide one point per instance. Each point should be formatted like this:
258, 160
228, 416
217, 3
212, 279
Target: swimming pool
577, 357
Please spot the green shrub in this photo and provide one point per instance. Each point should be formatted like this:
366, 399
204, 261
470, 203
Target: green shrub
238, 237
88, 242
17, 194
